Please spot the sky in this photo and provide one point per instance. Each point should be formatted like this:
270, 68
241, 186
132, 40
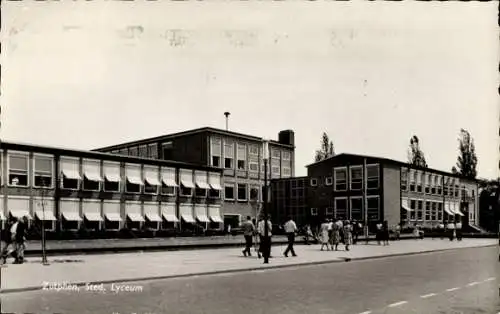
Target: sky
85, 75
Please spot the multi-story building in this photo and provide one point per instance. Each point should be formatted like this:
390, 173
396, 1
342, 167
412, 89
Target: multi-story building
393, 191
72, 191
289, 199
239, 155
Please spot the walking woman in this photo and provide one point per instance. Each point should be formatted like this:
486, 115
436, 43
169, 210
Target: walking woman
347, 234
335, 238
385, 232
324, 235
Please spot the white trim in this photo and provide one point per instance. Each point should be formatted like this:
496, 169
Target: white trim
52, 172
314, 211
246, 192
313, 180
328, 181
18, 154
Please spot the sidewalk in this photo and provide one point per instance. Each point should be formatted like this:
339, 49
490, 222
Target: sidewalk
81, 269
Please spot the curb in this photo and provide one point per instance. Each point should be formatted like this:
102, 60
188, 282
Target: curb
241, 270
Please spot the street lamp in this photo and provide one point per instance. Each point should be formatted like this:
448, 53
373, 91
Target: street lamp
45, 262
267, 243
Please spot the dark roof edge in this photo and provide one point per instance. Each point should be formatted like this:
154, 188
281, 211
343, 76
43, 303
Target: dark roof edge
396, 162
289, 178
99, 155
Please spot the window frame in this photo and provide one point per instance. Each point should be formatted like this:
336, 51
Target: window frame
368, 198
371, 179
404, 179
351, 178
79, 181
250, 166
239, 158
356, 198
286, 171
145, 170
52, 170
112, 165
9, 170
100, 184
231, 159
230, 185
238, 192
335, 179
141, 176
329, 211
313, 182
336, 208
286, 155
314, 211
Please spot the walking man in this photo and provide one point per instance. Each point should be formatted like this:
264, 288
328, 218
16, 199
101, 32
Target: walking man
20, 238
8, 238
290, 229
265, 241
248, 232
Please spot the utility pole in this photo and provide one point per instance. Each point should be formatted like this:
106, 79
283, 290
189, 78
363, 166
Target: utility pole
267, 246
44, 254
365, 201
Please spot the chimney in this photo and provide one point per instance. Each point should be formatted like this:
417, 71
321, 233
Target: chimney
227, 113
286, 137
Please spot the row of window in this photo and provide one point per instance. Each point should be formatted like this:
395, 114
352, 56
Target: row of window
431, 179
222, 155
89, 176
447, 190
340, 178
143, 151
242, 192
353, 208
95, 212
433, 211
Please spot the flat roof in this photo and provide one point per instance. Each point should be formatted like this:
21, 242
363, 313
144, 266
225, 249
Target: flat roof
25, 147
186, 133
391, 161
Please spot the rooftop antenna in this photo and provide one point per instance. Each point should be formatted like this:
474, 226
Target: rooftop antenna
227, 113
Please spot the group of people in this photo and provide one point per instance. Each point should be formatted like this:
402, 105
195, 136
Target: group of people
333, 232
383, 233
14, 239
249, 231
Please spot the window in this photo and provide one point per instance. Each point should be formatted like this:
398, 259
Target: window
133, 151
153, 151
242, 156
215, 144
427, 183
420, 205
314, 212
275, 153
228, 155
433, 184
372, 173
43, 171
314, 182
143, 151
91, 175
276, 170
112, 177
340, 177
229, 192
187, 184
214, 179
341, 208
445, 190
427, 210
440, 211
286, 155
18, 169
456, 190
373, 208
433, 211
254, 166
287, 172
328, 180
169, 183
151, 175
167, 149
404, 179
413, 178
242, 192
413, 206
134, 178
357, 208
356, 177
202, 186
329, 211
254, 150
70, 173
254, 193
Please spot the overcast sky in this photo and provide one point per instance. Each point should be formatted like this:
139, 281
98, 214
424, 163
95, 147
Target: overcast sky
371, 74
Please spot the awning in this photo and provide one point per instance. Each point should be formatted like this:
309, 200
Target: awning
457, 210
70, 216
93, 216
168, 212
187, 184
170, 182
135, 217
71, 174
216, 186
112, 177
113, 217
448, 210
152, 180
153, 217
134, 179
188, 218
202, 185
214, 213
408, 209
201, 214
20, 213
93, 175
45, 216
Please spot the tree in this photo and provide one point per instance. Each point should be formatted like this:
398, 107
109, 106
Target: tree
326, 150
415, 154
454, 170
467, 159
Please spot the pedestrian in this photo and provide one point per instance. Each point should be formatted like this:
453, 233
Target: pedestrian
228, 230
441, 230
330, 230
308, 234
324, 236
458, 230
248, 232
385, 232
451, 230
355, 231
347, 234
9, 245
397, 232
20, 238
290, 229
265, 240
335, 236
378, 235
416, 232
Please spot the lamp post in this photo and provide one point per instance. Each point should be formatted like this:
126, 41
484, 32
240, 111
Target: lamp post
267, 244
44, 255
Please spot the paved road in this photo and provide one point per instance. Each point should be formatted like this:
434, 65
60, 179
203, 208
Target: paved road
453, 282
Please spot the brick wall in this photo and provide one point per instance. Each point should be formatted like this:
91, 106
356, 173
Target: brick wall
391, 207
